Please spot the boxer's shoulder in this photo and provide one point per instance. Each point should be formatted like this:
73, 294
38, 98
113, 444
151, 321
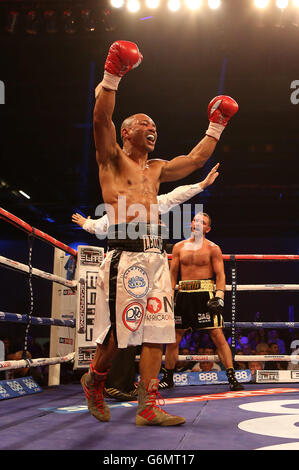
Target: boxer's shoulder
157, 162
178, 246
213, 246
210, 243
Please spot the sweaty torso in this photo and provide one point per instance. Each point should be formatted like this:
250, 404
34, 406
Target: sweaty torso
126, 184
196, 259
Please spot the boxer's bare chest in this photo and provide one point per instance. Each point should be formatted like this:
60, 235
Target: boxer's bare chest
195, 261
131, 183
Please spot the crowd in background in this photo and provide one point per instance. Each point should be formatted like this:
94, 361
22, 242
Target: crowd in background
257, 342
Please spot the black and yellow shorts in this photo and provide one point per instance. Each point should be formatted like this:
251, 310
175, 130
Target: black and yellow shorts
191, 306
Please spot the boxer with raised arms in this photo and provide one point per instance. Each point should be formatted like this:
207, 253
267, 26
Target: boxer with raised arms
134, 271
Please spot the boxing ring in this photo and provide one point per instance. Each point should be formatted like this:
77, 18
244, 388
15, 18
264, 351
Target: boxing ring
202, 398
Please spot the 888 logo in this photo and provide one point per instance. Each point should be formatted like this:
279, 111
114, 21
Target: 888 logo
208, 376
241, 374
180, 379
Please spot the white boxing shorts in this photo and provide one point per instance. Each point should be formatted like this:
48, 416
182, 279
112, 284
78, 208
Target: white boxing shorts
134, 294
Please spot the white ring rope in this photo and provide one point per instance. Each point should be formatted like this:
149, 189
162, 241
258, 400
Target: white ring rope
278, 357
237, 358
36, 272
73, 284
263, 287
248, 287
8, 365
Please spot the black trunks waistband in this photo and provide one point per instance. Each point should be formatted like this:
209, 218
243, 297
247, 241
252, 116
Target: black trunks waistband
137, 237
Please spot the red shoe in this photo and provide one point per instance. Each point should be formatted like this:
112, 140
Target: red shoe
93, 385
150, 414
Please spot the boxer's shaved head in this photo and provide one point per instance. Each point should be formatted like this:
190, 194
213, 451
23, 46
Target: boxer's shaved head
129, 121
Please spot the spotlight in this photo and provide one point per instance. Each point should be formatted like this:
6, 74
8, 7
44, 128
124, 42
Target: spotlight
296, 3
50, 18
69, 22
117, 3
88, 20
193, 4
24, 194
133, 6
12, 21
214, 4
107, 21
282, 4
261, 3
32, 22
152, 3
174, 5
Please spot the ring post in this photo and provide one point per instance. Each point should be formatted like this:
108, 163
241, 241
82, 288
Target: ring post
234, 302
62, 338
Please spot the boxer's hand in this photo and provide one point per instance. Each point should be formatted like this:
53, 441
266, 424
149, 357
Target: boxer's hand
220, 110
122, 57
210, 178
78, 219
215, 305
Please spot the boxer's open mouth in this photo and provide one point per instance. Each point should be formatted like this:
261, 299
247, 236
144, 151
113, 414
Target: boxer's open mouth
151, 138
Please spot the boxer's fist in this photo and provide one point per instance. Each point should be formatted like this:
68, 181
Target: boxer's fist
215, 305
221, 109
122, 57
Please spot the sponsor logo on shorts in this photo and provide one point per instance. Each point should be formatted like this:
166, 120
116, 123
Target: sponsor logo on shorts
154, 305
159, 310
203, 317
136, 281
133, 315
152, 243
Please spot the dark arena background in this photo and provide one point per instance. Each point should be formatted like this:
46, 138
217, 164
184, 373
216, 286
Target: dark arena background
52, 55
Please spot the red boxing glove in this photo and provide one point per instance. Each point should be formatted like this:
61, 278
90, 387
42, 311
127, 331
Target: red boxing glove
122, 57
220, 110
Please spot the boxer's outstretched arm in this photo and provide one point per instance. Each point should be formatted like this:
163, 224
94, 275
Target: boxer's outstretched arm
104, 129
220, 110
182, 166
122, 57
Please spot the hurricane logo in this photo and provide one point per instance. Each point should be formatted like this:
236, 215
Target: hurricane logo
136, 282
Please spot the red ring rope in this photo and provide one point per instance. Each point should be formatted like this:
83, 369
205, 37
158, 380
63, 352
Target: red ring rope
19, 223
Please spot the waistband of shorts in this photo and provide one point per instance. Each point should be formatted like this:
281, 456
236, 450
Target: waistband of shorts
137, 237
200, 285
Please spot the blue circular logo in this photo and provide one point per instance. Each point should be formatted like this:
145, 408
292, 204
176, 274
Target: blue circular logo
136, 281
